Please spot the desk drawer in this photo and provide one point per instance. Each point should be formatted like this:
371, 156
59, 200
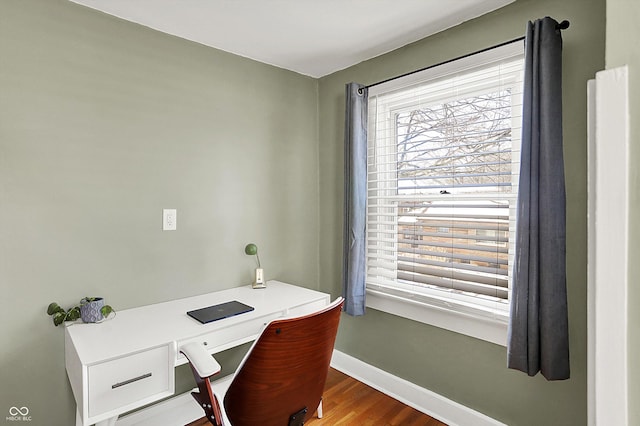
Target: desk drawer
130, 379
229, 336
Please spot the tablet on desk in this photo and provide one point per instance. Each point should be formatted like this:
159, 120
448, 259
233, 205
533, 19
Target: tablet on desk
221, 311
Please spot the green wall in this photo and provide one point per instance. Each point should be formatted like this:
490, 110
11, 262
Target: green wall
623, 34
470, 371
103, 123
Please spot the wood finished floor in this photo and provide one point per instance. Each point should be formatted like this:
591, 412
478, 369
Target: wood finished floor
349, 402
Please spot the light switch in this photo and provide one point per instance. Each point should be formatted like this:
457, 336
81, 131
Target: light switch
169, 219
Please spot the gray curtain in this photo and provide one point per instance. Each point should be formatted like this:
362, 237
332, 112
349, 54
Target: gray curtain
538, 338
355, 199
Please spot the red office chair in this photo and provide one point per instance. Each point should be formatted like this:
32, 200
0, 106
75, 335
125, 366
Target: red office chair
282, 377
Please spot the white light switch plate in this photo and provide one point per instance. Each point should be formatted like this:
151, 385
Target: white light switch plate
169, 219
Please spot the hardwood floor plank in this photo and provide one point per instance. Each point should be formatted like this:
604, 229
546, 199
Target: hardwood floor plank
348, 402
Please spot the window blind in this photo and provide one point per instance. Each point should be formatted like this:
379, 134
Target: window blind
443, 166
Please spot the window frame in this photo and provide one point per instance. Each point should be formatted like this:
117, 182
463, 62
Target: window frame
477, 320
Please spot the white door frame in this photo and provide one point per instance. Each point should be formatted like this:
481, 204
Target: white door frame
608, 233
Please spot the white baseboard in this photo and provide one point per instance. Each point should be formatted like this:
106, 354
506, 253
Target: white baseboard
424, 400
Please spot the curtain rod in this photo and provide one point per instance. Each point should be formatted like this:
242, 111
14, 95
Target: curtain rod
561, 26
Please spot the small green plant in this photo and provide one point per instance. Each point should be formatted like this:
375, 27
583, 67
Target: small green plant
59, 315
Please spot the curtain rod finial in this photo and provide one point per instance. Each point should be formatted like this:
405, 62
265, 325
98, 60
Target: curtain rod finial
563, 25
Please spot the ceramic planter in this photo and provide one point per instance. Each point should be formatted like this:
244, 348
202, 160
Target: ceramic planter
90, 310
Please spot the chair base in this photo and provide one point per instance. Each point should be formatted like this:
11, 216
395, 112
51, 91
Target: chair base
297, 418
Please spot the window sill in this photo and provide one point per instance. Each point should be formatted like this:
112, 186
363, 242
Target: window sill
490, 330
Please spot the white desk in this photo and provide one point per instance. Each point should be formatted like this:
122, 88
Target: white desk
126, 362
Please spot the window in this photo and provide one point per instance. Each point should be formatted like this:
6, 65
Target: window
443, 166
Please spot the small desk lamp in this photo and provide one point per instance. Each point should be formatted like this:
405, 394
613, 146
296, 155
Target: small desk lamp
250, 250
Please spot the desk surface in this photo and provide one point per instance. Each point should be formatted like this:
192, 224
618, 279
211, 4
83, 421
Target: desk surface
128, 361
137, 329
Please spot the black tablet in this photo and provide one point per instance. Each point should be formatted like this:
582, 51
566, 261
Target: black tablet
221, 311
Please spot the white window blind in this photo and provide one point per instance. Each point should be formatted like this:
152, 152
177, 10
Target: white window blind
443, 167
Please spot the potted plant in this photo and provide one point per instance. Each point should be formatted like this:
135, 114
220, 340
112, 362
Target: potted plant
90, 309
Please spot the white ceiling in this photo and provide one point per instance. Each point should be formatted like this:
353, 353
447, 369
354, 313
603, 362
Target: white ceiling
311, 37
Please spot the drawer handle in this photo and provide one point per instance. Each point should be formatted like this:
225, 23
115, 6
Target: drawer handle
126, 382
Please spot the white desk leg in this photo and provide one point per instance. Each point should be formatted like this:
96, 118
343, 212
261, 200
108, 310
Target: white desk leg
108, 422
320, 414
78, 418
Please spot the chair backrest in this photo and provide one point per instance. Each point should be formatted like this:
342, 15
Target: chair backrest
285, 370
